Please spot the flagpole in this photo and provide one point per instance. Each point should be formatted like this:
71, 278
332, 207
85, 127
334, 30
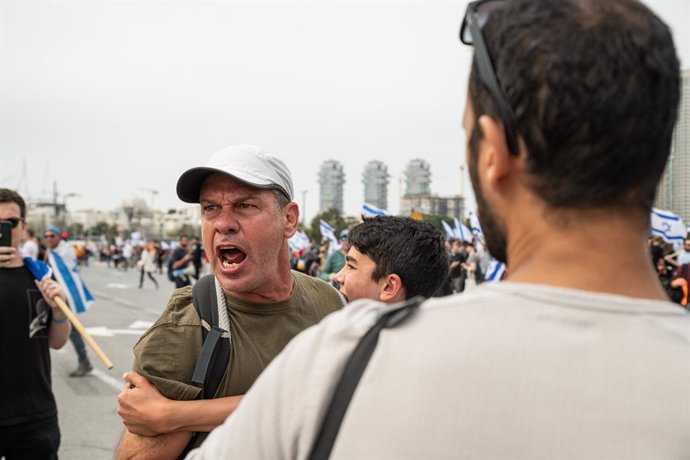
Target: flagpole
75, 322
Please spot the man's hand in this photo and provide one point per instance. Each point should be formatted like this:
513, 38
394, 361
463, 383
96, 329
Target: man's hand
142, 407
49, 290
10, 257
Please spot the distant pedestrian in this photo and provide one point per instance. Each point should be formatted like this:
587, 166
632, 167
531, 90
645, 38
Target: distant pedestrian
63, 261
147, 264
179, 263
30, 248
336, 260
196, 252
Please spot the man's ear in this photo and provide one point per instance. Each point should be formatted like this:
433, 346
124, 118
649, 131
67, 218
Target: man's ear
497, 160
291, 218
392, 289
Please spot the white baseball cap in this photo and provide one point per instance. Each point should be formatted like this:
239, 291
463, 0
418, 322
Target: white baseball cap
247, 163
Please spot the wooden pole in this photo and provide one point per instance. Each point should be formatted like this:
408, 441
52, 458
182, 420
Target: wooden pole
75, 323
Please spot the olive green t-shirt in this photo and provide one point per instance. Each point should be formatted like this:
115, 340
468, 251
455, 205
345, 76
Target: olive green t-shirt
167, 353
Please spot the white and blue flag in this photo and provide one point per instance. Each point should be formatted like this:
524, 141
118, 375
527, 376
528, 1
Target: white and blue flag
299, 241
369, 211
450, 233
495, 270
461, 231
475, 227
78, 296
38, 268
668, 226
328, 232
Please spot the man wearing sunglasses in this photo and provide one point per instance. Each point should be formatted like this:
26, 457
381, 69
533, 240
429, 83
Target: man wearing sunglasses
30, 324
578, 353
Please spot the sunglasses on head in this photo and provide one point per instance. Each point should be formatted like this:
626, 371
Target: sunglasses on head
476, 15
14, 221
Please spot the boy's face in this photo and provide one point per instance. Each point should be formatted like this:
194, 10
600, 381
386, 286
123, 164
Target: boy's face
355, 278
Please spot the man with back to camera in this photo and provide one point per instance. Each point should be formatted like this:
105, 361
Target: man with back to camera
392, 259
569, 118
30, 324
247, 216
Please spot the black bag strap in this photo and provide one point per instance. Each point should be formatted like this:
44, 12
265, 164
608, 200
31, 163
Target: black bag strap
214, 358
352, 373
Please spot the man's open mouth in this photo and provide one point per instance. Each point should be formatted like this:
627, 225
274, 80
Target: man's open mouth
230, 256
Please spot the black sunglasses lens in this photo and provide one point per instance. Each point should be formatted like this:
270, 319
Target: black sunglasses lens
14, 221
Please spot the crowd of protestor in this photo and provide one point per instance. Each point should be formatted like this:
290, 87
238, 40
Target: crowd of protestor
468, 261
672, 267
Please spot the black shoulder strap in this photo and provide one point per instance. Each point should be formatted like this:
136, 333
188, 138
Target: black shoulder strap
349, 379
214, 358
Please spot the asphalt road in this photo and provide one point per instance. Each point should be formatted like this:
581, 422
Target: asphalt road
89, 425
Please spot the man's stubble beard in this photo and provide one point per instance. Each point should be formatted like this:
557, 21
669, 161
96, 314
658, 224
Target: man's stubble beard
494, 235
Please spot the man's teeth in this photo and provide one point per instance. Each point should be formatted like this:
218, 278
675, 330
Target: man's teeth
228, 264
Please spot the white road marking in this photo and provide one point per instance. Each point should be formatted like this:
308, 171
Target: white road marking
123, 302
116, 286
102, 331
141, 324
108, 379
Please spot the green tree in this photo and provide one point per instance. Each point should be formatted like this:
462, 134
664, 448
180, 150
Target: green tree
102, 228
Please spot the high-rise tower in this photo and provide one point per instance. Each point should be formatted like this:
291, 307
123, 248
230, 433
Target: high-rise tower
375, 179
417, 177
331, 181
674, 189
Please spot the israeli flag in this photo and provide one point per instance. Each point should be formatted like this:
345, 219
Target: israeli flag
461, 231
475, 227
450, 233
369, 211
495, 271
299, 241
38, 268
328, 232
78, 296
668, 226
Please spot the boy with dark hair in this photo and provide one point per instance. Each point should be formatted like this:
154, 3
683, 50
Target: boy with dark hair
392, 259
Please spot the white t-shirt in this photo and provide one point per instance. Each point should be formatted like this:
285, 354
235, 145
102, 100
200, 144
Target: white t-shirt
507, 371
683, 257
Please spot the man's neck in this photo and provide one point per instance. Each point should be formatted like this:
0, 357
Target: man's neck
599, 250
278, 289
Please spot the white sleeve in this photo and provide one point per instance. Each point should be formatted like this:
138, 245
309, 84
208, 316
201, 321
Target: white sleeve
281, 413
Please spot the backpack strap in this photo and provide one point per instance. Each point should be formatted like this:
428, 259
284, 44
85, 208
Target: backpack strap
351, 375
214, 358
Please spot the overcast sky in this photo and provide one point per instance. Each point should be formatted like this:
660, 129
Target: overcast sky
111, 99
